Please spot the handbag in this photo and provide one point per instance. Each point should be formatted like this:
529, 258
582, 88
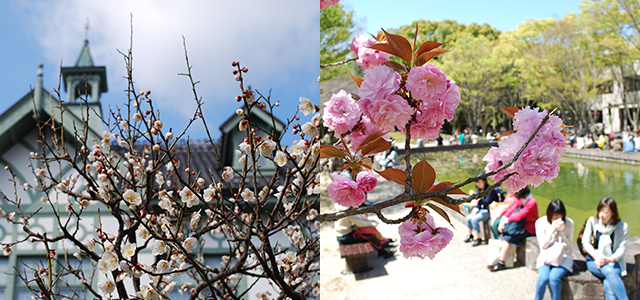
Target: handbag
515, 228
553, 254
593, 240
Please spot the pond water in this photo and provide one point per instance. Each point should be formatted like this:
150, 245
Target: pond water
581, 184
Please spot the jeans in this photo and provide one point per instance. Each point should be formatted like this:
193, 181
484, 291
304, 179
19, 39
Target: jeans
613, 285
473, 221
550, 275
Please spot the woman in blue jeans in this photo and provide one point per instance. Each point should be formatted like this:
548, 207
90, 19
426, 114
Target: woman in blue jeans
605, 240
480, 212
553, 228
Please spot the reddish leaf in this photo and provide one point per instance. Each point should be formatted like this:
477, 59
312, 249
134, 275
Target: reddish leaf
427, 46
506, 133
370, 138
423, 176
564, 132
427, 56
445, 185
395, 175
400, 45
356, 79
510, 111
454, 207
562, 125
394, 65
345, 166
328, 151
379, 37
376, 146
441, 212
384, 47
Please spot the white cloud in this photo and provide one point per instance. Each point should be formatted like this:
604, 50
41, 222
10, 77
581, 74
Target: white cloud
275, 39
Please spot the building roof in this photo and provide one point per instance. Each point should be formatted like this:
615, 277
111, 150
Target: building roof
85, 60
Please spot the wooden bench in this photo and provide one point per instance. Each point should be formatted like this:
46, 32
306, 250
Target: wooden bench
356, 256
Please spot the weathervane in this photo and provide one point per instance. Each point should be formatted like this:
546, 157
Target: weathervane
86, 30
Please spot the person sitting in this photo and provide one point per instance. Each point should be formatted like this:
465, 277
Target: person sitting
601, 141
390, 159
629, 145
480, 212
359, 229
605, 241
553, 228
521, 218
496, 212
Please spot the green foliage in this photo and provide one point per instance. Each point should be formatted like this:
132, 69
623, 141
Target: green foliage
336, 29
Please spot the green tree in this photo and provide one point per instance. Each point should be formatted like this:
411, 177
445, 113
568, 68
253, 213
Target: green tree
615, 25
336, 29
560, 68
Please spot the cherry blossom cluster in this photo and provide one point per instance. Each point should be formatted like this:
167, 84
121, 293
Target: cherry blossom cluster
426, 99
351, 193
539, 160
419, 237
366, 57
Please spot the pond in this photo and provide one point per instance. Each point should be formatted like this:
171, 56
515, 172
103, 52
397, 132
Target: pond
581, 184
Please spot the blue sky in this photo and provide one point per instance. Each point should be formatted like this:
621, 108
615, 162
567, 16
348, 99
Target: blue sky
501, 14
277, 40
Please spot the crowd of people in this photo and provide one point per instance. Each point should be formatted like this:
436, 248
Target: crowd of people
512, 220
627, 141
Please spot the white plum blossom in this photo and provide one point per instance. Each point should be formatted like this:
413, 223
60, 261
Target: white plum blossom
247, 195
108, 246
190, 243
281, 158
132, 197
209, 194
227, 173
306, 106
107, 286
310, 129
158, 248
128, 250
163, 266
267, 147
195, 218
188, 197
108, 262
143, 233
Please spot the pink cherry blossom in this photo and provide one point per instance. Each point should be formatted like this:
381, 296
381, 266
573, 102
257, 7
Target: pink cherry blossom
341, 113
539, 161
450, 100
387, 113
379, 83
362, 130
418, 240
366, 57
366, 181
426, 83
428, 122
345, 192
325, 3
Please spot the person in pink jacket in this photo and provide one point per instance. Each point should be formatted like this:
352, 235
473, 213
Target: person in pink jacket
518, 223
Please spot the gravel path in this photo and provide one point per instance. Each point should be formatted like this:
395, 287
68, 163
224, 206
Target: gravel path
458, 272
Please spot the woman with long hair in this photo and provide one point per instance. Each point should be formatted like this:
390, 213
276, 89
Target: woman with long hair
480, 212
517, 224
605, 240
553, 228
